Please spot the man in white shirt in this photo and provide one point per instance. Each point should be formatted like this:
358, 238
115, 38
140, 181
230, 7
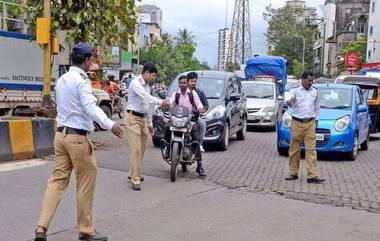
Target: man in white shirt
77, 110
304, 102
139, 120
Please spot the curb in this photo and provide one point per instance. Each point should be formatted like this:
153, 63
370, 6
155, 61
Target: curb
26, 138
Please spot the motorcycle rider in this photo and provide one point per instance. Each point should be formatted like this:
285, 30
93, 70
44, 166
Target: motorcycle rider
190, 99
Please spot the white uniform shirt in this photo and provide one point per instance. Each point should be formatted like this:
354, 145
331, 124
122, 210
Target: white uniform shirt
140, 99
76, 103
305, 103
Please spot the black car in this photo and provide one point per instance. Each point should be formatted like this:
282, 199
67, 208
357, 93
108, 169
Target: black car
227, 114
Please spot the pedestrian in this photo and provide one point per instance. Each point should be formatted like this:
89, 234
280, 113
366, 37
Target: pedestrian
304, 102
192, 78
77, 110
139, 120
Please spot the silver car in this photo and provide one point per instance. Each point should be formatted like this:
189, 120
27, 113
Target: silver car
264, 105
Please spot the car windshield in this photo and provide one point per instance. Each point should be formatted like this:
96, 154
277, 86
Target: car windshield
291, 85
213, 88
334, 98
258, 90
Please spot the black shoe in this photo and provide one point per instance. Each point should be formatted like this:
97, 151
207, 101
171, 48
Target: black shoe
40, 236
141, 178
201, 171
291, 177
136, 187
96, 237
315, 180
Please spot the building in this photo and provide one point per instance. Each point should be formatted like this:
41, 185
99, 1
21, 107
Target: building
223, 44
150, 24
343, 21
373, 51
309, 12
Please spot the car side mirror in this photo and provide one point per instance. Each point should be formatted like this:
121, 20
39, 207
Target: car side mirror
362, 108
235, 97
162, 94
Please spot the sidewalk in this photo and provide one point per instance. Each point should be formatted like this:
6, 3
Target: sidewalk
190, 209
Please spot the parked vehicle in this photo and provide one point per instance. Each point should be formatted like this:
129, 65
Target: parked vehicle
181, 147
370, 87
264, 105
290, 84
269, 69
343, 124
227, 114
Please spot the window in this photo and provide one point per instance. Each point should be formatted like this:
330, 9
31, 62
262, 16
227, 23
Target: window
362, 23
373, 6
371, 31
358, 98
369, 54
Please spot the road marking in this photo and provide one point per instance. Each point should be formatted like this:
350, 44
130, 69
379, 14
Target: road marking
11, 166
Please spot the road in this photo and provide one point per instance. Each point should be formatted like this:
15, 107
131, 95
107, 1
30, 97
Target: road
244, 197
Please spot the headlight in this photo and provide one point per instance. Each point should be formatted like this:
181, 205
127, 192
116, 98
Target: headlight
158, 111
217, 112
286, 120
267, 109
179, 122
342, 123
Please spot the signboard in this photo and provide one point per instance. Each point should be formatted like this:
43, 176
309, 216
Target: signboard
351, 61
126, 57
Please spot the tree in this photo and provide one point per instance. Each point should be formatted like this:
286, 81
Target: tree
171, 59
297, 69
231, 67
359, 46
288, 27
98, 22
185, 37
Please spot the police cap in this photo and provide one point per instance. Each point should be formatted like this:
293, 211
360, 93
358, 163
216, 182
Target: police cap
82, 49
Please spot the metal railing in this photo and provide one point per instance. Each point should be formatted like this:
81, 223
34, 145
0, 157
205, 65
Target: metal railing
20, 24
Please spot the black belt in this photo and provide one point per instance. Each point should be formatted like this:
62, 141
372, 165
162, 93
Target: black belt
302, 120
138, 114
70, 130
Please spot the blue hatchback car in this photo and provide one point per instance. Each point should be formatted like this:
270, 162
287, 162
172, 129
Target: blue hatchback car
343, 125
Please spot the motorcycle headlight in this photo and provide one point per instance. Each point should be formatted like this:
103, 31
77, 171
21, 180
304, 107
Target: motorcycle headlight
158, 111
267, 109
179, 122
217, 112
342, 123
286, 120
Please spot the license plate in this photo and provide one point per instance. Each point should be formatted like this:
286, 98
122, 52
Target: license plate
320, 137
251, 117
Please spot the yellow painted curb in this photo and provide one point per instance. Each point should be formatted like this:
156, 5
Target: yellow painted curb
21, 138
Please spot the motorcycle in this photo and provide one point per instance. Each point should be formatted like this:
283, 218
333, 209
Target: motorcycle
181, 147
118, 104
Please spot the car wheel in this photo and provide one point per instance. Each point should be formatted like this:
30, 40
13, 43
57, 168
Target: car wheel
365, 144
282, 151
354, 152
225, 137
108, 113
243, 132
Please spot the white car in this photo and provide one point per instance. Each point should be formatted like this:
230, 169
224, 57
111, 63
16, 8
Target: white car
264, 105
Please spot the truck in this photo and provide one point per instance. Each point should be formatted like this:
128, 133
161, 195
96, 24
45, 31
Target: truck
21, 77
269, 69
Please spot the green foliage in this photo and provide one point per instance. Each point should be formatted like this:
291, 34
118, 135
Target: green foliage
231, 67
287, 29
360, 46
297, 69
171, 59
98, 22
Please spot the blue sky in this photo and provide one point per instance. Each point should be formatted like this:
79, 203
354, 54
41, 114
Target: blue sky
205, 17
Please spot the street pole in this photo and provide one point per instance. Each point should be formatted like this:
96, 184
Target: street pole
323, 47
46, 100
303, 55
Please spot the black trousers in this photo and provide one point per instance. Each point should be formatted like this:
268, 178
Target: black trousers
194, 135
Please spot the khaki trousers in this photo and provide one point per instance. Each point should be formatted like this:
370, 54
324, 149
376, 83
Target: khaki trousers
137, 135
72, 152
303, 132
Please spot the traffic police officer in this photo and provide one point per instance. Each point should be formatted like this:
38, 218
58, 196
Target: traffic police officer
77, 110
304, 101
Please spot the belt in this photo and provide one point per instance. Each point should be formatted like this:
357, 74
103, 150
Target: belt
74, 131
138, 114
302, 120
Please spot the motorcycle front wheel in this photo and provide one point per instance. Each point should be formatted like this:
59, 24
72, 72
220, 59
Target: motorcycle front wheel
174, 161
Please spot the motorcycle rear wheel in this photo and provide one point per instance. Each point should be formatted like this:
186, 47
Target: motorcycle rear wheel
174, 161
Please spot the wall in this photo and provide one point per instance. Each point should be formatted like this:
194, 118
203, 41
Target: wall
373, 45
